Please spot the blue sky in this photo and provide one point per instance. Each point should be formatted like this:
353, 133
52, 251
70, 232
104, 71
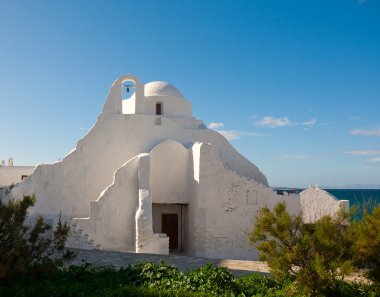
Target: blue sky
294, 85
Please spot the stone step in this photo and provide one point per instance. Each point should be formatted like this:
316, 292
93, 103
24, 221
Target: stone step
78, 239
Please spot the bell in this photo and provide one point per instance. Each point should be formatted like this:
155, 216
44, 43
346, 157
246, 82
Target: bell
127, 89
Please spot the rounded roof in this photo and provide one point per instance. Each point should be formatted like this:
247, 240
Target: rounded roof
161, 88
317, 191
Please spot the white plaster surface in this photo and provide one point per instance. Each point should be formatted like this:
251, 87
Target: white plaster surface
111, 221
12, 174
146, 240
171, 177
161, 88
224, 207
317, 203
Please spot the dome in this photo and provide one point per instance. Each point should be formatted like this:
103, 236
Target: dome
161, 88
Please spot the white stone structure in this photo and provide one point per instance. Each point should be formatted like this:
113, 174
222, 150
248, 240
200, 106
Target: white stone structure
149, 177
317, 203
10, 174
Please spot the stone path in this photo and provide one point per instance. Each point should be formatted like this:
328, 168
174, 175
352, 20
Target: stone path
184, 263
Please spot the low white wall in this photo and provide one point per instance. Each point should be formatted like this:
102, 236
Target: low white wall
317, 203
13, 174
112, 217
121, 219
146, 240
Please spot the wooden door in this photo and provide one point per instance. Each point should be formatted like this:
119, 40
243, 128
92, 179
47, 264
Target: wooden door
169, 226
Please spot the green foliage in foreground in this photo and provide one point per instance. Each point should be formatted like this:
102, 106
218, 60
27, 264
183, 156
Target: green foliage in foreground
318, 254
27, 250
315, 254
149, 279
367, 243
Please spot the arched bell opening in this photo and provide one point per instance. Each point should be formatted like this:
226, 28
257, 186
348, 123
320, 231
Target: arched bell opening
131, 95
128, 89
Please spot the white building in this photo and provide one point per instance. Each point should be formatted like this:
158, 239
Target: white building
149, 177
10, 174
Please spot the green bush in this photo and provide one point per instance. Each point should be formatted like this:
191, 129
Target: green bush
314, 254
367, 243
155, 275
209, 279
212, 279
25, 250
259, 285
87, 280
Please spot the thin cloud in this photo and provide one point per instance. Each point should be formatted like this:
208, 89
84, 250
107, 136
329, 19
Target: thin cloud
233, 134
295, 157
366, 153
215, 125
354, 118
311, 110
327, 123
374, 160
309, 123
363, 132
361, 2
363, 152
273, 122
81, 128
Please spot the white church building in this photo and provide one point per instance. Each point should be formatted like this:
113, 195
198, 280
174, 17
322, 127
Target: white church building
151, 178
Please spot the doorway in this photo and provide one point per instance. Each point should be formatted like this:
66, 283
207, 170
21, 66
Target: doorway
169, 226
171, 219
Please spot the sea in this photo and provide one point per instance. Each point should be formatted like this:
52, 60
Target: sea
361, 198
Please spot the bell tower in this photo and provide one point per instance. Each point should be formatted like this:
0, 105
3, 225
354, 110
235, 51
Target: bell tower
114, 104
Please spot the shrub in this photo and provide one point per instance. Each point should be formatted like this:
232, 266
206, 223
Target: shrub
207, 279
367, 243
88, 280
26, 250
211, 279
259, 285
315, 254
155, 275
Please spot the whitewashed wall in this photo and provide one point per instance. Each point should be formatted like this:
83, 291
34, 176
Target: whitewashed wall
224, 207
317, 203
170, 176
111, 223
12, 174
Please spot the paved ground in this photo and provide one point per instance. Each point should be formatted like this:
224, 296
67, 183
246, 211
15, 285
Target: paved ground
184, 263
